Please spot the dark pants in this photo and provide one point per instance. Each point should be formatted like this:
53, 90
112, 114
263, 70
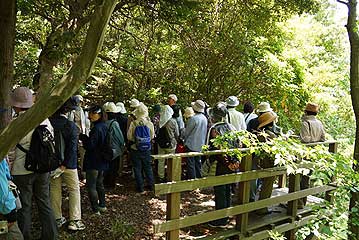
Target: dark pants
222, 198
95, 188
194, 166
36, 185
142, 163
111, 175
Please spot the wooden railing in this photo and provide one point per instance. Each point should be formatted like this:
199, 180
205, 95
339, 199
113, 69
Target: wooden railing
287, 224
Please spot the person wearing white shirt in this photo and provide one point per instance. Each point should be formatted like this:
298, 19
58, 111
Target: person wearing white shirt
234, 117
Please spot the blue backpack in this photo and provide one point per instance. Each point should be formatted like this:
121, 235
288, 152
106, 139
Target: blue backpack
143, 138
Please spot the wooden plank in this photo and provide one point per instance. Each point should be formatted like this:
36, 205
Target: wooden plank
282, 182
222, 235
235, 210
173, 199
243, 195
294, 186
188, 185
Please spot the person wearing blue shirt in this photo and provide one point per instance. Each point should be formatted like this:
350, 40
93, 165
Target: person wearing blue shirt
8, 205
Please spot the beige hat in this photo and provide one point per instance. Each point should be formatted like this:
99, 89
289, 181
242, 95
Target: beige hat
198, 106
141, 111
21, 97
312, 107
266, 118
110, 107
264, 107
134, 103
173, 96
121, 107
188, 112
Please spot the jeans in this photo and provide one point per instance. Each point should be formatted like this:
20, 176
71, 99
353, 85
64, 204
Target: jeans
142, 163
222, 198
194, 167
36, 185
95, 188
71, 179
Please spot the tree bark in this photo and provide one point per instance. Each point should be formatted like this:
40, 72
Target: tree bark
7, 26
50, 101
352, 29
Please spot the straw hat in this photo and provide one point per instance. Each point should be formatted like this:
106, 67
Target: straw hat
21, 97
312, 107
264, 107
232, 101
198, 106
266, 118
188, 112
110, 107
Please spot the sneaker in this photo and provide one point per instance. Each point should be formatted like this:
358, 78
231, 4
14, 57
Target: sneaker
77, 225
60, 222
102, 209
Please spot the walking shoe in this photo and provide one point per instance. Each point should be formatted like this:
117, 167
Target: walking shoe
76, 225
60, 222
102, 209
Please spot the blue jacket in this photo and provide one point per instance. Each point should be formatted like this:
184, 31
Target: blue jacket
92, 145
7, 203
69, 132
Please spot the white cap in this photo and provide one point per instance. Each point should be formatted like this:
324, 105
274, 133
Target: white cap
173, 96
110, 107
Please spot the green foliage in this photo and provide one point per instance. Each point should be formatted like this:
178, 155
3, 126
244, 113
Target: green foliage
122, 230
276, 235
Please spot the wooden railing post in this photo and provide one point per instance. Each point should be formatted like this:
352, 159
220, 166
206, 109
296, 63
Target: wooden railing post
173, 199
243, 195
282, 181
333, 148
294, 185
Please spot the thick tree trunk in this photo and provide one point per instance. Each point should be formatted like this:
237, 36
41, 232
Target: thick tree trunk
49, 102
352, 28
7, 26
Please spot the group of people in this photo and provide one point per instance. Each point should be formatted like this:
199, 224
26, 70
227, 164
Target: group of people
82, 134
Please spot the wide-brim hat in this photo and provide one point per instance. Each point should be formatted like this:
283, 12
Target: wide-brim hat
188, 112
134, 103
141, 111
198, 106
121, 107
21, 97
266, 118
312, 107
173, 96
110, 107
264, 107
232, 101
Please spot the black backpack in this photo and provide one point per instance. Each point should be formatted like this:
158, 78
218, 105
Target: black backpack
59, 139
163, 138
41, 156
106, 148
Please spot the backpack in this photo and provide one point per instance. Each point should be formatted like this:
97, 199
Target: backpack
41, 156
106, 148
142, 138
60, 142
163, 138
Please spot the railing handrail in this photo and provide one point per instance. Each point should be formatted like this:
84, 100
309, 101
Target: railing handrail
217, 152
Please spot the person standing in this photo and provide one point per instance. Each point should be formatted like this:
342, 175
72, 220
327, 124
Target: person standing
94, 164
248, 113
31, 184
67, 172
172, 102
194, 138
234, 117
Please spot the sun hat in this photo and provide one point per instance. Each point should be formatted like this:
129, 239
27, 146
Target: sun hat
198, 106
264, 107
266, 118
165, 115
21, 97
312, 107
141, 111
232, 101
110, 107
188, 112
173, 96
219, 110
121, 107
134, 103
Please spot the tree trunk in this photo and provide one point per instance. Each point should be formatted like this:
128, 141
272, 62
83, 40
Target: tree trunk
50, 101
7, 26
352, 28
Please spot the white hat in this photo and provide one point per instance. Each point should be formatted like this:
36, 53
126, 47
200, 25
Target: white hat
264, 107
141, 111
81, 99
173, 96
134, 103
110, 107
188, 112
198, 106
21, 97
232, 101
121, 107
